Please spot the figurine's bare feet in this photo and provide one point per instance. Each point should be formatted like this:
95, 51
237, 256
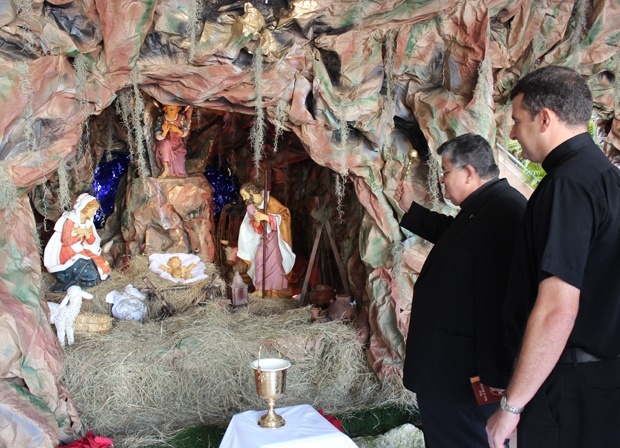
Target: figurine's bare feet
165, 172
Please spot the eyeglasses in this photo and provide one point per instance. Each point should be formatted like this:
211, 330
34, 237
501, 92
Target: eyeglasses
443, 173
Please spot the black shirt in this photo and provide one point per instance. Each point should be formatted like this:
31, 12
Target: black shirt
571, 230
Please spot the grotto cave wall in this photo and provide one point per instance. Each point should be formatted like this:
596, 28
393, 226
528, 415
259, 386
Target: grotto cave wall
318, 68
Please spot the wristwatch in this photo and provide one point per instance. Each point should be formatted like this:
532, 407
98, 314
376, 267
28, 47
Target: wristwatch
508, 407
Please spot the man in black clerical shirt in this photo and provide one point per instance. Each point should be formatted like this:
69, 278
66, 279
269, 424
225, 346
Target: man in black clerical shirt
563, 306
455, 327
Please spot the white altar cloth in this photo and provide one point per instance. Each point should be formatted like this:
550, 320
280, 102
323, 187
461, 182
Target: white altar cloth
304, 428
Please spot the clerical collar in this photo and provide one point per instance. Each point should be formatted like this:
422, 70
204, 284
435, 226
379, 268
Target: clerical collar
565, 150
469, 199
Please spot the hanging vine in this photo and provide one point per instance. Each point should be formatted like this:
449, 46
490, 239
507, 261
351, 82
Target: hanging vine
257, 133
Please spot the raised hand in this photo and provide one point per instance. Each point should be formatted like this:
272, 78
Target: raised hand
404, 194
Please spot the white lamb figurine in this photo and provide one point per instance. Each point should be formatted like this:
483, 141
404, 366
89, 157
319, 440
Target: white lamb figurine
64, 315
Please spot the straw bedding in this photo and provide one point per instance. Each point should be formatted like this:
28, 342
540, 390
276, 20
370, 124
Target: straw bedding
141, 382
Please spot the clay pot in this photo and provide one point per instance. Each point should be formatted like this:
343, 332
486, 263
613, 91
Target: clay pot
341, 308
322, 295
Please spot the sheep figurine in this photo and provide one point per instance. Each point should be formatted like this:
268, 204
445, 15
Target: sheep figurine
64, 315
129, 304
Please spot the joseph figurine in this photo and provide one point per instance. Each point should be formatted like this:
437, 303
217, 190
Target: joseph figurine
279, 256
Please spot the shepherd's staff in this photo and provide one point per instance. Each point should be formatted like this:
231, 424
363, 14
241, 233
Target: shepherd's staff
266, 200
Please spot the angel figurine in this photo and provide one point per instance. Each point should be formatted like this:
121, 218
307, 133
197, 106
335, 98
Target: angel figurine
171, 132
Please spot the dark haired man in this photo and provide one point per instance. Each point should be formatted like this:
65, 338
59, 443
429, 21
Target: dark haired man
563, 306
455, 328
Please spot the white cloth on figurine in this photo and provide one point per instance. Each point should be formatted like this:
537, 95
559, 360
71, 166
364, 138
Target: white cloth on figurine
51, 254
128, 304
198, 272
304, 428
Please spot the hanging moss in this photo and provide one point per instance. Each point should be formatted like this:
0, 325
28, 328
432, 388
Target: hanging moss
396, 250
257, 133
280, 117
25, 12
340, 181
137, 117
63, 186
358, 22
23, 70
80, 65
389, 105
8, 191
109, 140
616, 85
580, 22
193, 26
506, 124
341, 176
482, 100
433, 182
123, 108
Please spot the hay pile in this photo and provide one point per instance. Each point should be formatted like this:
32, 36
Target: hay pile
143, 381
182, 297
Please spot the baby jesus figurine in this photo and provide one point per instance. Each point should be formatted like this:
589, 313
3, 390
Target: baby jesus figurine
176, 269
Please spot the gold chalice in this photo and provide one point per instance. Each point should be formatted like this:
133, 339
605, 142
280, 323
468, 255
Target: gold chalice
270, 379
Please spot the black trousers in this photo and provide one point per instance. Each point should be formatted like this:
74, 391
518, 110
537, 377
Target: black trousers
450, 423
578, 406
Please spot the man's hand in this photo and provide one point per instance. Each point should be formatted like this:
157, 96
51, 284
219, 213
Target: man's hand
500, 427
404, 194
258, 217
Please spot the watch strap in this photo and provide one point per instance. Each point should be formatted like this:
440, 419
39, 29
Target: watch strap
508, 407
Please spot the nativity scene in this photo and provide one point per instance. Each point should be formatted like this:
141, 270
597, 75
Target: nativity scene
218, 179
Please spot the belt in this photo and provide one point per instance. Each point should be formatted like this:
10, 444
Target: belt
577, 355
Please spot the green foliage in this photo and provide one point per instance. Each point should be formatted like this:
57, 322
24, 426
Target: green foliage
534, 172
375, 421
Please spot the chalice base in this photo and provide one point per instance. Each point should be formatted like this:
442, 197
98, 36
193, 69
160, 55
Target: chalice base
271, 420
